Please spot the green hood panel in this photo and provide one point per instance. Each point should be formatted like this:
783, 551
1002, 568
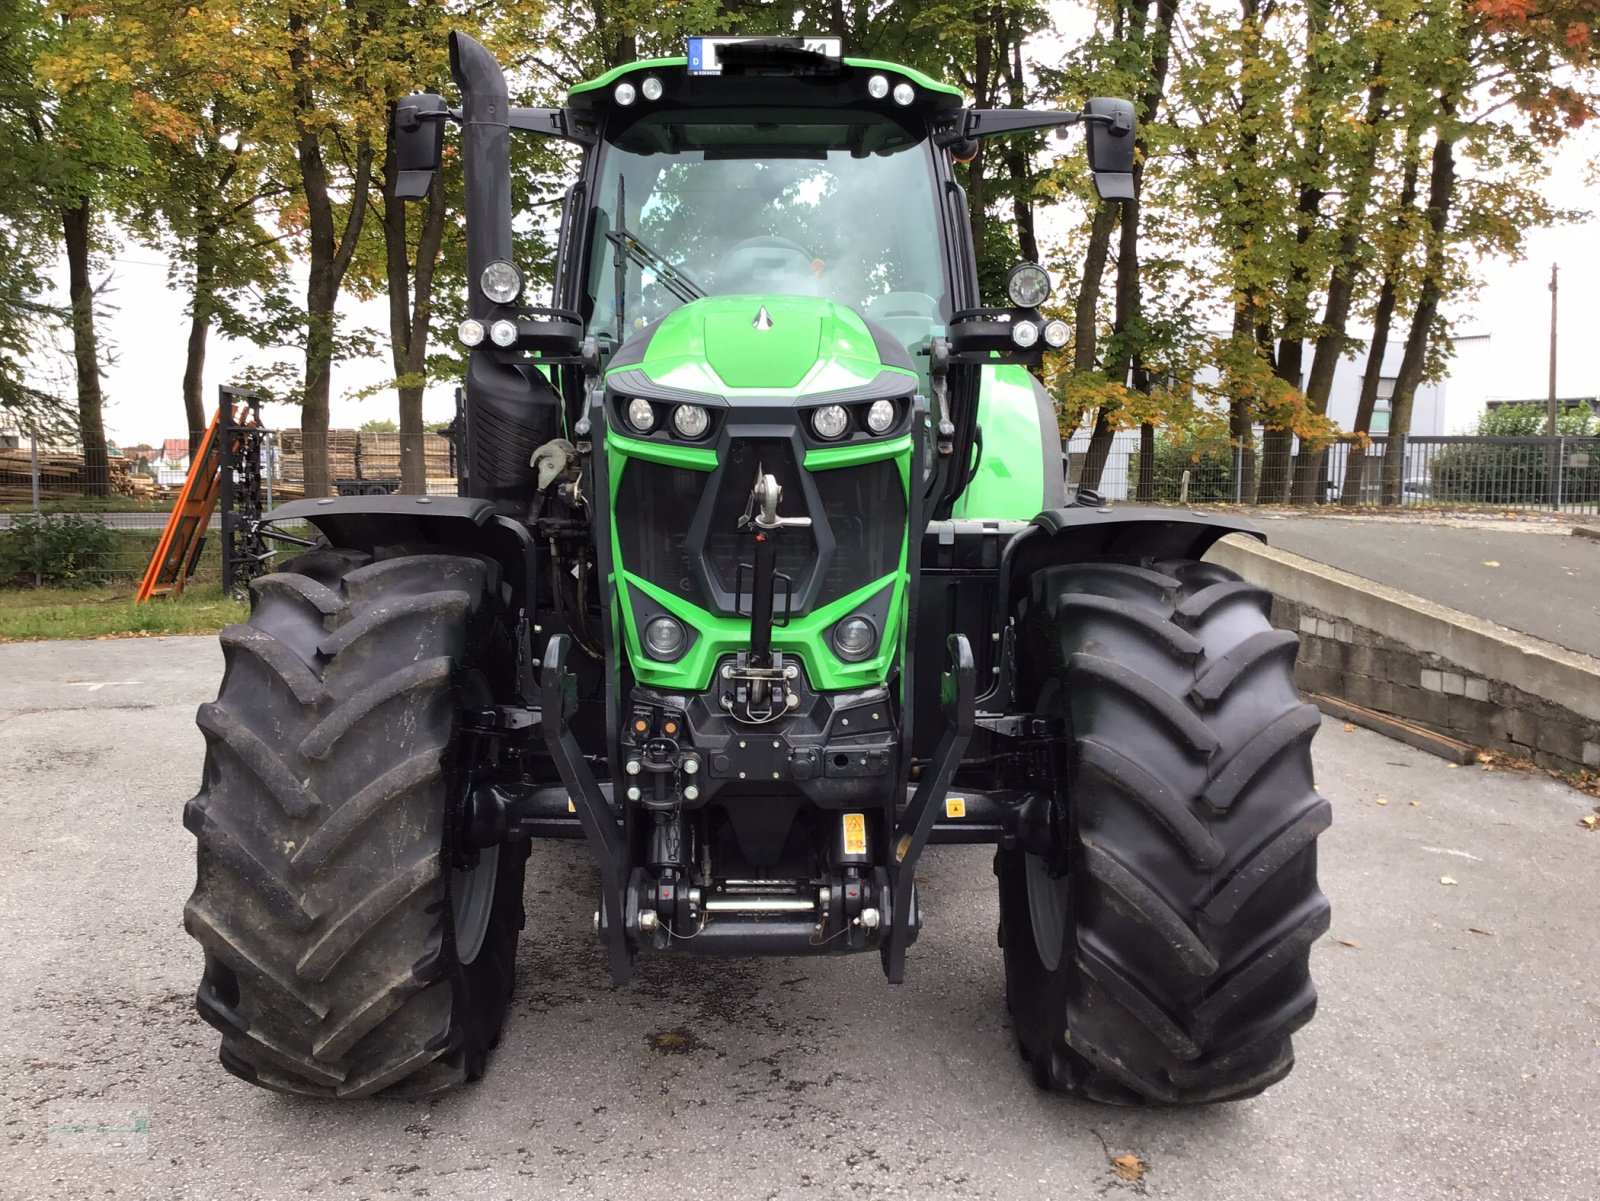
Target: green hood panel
719, 344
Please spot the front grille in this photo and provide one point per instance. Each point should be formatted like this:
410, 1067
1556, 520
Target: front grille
655, 507
865, 508
727, 545
668, 517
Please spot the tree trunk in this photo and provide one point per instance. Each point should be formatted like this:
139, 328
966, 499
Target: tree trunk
1382, 318
1441, 192
1349, 261
329, 253
1241, 422
1017, 162
1083, 351
76, 226
194, 361
1146, 490
410, 313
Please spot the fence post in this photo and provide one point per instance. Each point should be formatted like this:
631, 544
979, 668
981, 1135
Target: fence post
1561, 462
33, 466
1238, 472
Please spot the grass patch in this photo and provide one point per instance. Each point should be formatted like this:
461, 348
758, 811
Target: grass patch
36, 614
91, 504
109, 611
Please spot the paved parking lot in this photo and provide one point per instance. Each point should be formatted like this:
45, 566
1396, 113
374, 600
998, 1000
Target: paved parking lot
1457, 1053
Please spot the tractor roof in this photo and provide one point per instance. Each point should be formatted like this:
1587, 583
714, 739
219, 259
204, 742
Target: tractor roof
843, 84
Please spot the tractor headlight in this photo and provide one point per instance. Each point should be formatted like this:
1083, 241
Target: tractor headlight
664, 638
904, 93
651, 88
470, 332
501, 282
641, 414
854, 638
625, 95
1028, 285
878, 86
880, 416
503, 333
1024, 333
690, 420
1056, 334
830, 421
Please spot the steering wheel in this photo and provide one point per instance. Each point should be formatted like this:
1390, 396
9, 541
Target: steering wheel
768, 242
768, 253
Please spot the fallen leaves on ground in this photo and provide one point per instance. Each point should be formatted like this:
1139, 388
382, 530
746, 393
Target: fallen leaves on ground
1383, 800
1475, 930
1447, 880
1130, 1167
1416, 804
1589, 821
1349, 727
1347, 942
1491, 562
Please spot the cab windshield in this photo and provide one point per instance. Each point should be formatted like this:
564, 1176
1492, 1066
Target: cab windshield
838, 205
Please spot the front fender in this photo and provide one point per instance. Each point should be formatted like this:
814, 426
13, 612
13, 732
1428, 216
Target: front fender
466, 524
1080, 534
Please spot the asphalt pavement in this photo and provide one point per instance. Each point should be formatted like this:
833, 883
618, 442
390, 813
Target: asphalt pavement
1535, 578
1456, 1054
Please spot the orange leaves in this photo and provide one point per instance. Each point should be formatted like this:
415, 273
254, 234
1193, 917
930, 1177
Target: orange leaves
1501, 13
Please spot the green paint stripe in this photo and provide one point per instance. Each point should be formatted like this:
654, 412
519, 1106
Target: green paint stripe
617, 73
911, 73
828, 457
696, 458
866, 64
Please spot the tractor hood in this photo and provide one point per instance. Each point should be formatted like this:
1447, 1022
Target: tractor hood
772, 345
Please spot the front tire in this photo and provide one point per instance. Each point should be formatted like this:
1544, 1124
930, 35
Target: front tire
1161, 955
351, 949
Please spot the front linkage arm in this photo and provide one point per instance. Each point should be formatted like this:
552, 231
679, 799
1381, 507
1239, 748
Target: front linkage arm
558, 703
959, 689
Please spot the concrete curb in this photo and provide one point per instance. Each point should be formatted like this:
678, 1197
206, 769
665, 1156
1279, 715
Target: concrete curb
1587, 531
1389, 650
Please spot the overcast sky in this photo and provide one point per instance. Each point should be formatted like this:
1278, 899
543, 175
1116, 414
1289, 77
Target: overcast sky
145, 328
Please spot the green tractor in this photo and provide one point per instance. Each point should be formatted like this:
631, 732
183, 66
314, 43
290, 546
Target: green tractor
762, 576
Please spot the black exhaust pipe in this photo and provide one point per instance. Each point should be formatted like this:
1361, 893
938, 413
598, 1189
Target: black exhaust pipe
509, 411
486, 154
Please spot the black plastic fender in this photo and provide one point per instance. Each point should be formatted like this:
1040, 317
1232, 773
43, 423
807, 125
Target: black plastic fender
466, 523
1083, 533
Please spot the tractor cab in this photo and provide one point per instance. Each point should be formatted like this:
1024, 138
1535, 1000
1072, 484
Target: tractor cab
785, 173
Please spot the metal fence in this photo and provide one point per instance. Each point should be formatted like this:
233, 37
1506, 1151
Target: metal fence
1558, 475
83, 520
49, 493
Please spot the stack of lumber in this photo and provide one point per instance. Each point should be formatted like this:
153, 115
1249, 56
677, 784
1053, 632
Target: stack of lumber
61, 476
356, 454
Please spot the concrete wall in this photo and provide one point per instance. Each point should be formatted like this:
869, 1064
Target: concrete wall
1456, 674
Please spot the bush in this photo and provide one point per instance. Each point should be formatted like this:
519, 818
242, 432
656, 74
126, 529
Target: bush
1510, 474
57, 549
1209, 462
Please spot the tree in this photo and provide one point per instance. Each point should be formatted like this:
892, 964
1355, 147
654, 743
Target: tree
76, 157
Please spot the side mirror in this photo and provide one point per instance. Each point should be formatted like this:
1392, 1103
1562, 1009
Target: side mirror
418, 135
1111, 146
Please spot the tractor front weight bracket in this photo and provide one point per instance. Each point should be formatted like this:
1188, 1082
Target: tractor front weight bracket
559, 699
959, 688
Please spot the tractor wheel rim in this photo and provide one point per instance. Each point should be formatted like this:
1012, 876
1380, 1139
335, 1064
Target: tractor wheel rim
1047, 908
472, 900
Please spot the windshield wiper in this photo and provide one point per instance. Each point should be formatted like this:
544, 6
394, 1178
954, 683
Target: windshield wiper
640, 252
